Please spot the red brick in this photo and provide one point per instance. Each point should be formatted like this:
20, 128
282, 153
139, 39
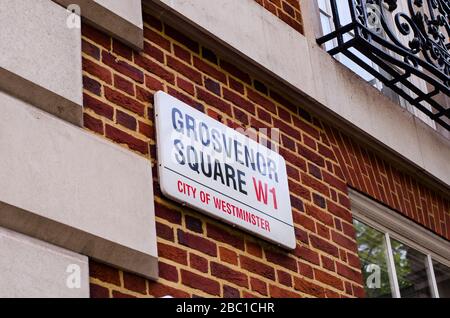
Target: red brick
199, 263
258, 286
154, 52
328, 263
96, 36
293, 173
104, 273
236, 85
261, 101
308, 287
144, 95
122, 137
314, 171
123, 50
197, 242
172, 253
98, 71
328, 279
156, 38
93, 124
186, 86
126, 120
167, 272
182, 53
185, 98
164, 231
281, 259
97, 291
301, 235
152, 21
257, 267
319, 215
340, 212
253, 248
307, 254
212, 86
134, 283
323, 245
194, 224
354, 261
98, 107
246, 294
184, 69
209, 70
310, 155
193, 280
315, 184
146, 130
123, 67
92, 85
228, 256
284, 278
167, 213
228, 274
358, 291
124, 85
230, 292
235, 71
158, 290
305, 270
224, 236
277, 292
240, 116
118, 294
90, 49
323, 231
238, 100
155, 68
214, 101
181, 38
343, 241
349, 273
126, 102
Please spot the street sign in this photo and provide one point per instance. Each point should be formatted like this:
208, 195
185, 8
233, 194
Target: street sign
221, 172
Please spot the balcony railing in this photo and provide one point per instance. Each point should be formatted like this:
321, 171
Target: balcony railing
404, 48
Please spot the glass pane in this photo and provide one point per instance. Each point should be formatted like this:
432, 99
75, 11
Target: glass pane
373, 255
442, 274
411, 268
323, 5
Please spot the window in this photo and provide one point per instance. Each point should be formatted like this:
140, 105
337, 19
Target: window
373, 10
398, 257
326, 20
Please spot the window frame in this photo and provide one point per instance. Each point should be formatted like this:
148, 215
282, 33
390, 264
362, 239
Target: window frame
396, 226
356, 69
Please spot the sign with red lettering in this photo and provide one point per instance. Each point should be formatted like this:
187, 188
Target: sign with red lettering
221, 172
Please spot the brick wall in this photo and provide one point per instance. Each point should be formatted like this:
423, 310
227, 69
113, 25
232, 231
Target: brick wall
286, 10
368, 173
198, 255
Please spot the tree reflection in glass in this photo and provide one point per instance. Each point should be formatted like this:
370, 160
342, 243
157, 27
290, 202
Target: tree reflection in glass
411, 268
373, 255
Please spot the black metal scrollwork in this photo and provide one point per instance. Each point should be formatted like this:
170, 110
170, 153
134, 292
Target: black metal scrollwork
402, 45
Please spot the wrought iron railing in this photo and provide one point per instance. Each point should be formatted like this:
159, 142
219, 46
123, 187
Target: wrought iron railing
403, 48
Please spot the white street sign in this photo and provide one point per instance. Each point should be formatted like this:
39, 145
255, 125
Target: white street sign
221, 172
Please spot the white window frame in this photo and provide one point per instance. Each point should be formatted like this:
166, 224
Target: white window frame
394, 225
